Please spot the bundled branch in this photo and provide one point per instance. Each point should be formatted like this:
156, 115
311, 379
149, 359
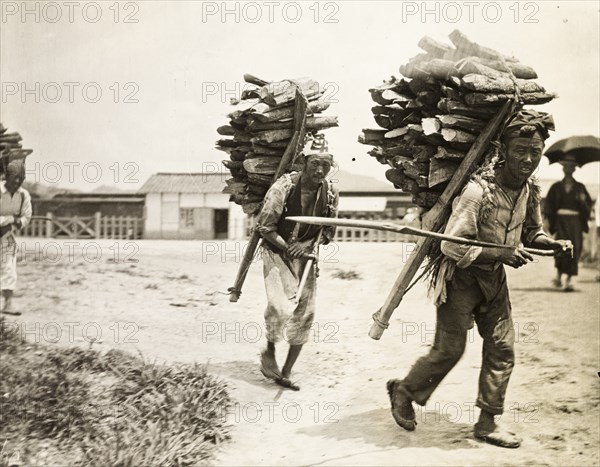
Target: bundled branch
430, 118
261, 128
10, 147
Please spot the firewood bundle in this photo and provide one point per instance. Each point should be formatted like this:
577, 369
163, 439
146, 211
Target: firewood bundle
11, 147
429, 121
261, 127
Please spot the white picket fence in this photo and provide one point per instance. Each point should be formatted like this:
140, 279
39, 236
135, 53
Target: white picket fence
97, 226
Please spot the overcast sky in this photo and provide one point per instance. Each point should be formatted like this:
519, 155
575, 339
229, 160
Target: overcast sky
181, 61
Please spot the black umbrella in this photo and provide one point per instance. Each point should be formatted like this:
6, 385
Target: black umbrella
580, 149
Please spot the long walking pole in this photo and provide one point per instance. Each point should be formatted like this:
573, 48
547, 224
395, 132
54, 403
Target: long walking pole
308, 266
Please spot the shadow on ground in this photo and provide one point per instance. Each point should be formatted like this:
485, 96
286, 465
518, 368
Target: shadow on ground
377, 427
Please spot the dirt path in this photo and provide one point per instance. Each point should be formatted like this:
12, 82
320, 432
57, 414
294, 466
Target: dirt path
166, 307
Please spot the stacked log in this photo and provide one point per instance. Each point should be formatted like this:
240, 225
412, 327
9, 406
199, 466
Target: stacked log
259, 131
11, 147
430, 118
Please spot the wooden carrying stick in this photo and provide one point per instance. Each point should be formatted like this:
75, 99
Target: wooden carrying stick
291, 152
308, 266
406, 229
434, 219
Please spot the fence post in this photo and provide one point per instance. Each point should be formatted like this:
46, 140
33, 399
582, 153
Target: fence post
97, 218
49, 225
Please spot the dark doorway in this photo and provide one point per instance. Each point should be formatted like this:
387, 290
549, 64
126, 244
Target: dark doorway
221, 223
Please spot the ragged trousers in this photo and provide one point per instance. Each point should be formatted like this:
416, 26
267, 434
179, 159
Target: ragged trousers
284, 317
482, 296
8, 263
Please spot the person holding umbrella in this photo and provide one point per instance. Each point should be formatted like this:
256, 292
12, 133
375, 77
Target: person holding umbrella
568, 208
568, 204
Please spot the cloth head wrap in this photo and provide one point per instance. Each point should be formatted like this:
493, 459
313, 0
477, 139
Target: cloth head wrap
318, 148
528, 123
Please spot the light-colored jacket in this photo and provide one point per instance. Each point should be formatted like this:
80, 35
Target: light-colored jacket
13, 207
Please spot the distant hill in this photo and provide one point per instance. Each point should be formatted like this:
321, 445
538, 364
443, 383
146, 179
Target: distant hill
347, 181
40, 191
110, 190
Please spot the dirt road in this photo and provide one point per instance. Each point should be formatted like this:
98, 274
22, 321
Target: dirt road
167, 305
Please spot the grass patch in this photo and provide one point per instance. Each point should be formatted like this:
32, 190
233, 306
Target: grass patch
349, 275
74, 406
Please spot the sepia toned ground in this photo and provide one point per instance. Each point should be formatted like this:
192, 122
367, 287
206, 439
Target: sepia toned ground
168, 301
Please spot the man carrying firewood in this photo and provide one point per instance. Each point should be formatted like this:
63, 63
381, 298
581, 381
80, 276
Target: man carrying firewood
285, 251
15, 213
500, 204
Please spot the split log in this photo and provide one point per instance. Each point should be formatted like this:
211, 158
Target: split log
283, 113
464, 44
456, 107
241, 136
312, 123
425, 199
457, 136
384, 121
417, 171
275, 144
431, 125
482, 83
433, 47
285, 91
372, 136
389, 96
397, 161
395, 120
254, 80
239, 153
447, 154
407, 133
262, 165
423, 84
485, 99
270, 136
413, 69
406, 150
441, 171
258, 179
232, 164
235, 187
415, 105
244, 108
395, 176
258, 190
429, 98
229, 143
469, 66
225, 130
397, 132
392, 109
440, 69
410, 186
250, 94
472, 125
267, 151
518, 69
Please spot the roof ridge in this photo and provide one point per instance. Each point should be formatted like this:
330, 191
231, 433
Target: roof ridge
190, 173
